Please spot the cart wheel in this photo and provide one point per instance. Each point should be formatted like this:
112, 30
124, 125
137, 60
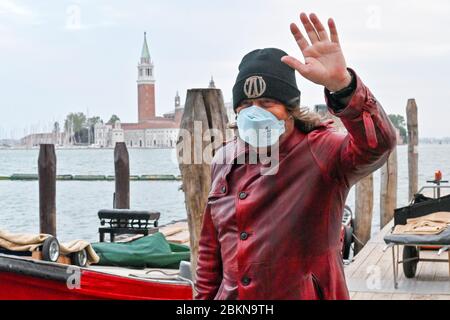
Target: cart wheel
348, 239
79, 258
410, 267
50, 249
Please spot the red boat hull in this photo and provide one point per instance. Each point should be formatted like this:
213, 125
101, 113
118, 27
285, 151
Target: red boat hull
14, 284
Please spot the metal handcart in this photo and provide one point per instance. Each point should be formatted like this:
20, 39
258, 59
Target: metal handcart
419, 206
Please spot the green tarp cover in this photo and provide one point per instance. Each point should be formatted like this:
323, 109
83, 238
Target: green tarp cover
152, 251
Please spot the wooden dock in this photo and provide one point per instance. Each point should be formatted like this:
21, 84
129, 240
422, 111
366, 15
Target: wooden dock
177, 232
370, 275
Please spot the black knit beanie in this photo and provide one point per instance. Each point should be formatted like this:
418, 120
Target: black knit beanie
262, 74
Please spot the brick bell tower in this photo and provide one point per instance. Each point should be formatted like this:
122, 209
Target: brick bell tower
146, 85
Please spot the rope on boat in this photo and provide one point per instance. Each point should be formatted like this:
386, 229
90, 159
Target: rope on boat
175, 276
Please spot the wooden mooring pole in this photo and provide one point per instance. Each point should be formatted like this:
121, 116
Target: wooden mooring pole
413, 142
47, 189
204, 109
122, 176
363, 212
388, 189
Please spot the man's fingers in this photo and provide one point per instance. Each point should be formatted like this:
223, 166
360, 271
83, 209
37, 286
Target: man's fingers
295, 64
333, 31
301, 41
323, 35
310, 30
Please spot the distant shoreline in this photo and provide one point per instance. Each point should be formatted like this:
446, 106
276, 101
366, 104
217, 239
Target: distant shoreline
432, 142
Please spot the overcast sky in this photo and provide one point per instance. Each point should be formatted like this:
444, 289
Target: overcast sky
66, 56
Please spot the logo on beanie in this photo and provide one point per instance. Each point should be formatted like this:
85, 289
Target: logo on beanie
254, 87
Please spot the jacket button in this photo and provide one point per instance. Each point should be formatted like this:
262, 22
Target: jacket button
244, 235
223, 189
242, 195
245, 281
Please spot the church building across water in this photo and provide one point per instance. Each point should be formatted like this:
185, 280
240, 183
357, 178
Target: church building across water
150, 131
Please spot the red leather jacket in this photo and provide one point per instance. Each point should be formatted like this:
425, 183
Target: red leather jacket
277, 236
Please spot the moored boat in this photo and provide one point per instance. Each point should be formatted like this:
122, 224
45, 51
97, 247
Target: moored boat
28, 279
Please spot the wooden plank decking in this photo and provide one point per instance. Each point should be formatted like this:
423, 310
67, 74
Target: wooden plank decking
177, 232
370, 275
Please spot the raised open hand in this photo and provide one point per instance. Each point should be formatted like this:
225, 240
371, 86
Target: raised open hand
324, 60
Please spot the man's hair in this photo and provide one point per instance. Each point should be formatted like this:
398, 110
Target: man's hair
304, 119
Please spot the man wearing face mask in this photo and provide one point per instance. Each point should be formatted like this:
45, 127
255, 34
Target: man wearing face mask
276, 236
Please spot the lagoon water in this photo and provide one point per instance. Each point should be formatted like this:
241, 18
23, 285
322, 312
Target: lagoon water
79, 201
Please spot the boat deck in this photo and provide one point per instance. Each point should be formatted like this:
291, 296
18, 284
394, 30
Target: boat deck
153, 274
370, 275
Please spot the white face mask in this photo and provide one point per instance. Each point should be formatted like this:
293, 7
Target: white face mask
259, 127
